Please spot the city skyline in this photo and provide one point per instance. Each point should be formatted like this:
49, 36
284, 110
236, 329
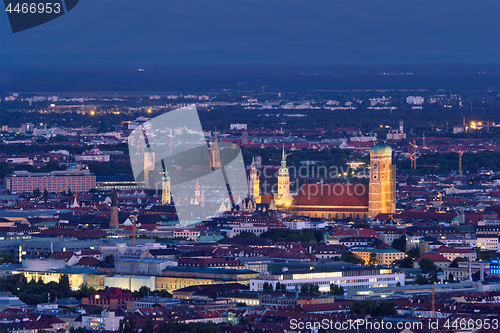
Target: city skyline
250, 166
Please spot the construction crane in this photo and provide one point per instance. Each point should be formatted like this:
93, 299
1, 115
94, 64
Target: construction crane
460, 153
433, 303
413, 156
239, 87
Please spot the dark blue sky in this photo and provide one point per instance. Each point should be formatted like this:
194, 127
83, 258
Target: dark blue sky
149, 33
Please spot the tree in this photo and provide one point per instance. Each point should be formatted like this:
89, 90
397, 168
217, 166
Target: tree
422, 280
373, 259
404, 263
432, 269
336, 290
96, 311
280, 286
455, 261
400, 243
213, 295
246, 234
120, 326
267, 286
143, 291
130, 326
309, 288
8, 258
109, 259
148, 326
384, 308
174, 327
286, 235
427, 264
64, 286
36, 192
45, 194
414, 253
451, 278
211, 328
487, 255
351, 258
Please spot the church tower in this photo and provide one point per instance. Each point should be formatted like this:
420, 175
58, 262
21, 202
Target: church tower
113, 221
244, 138
284, 196
165, 189
254, 184
215, 153
382, 196
197, 194
149, 166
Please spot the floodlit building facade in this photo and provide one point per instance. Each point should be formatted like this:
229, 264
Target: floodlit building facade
359, 277
56, 181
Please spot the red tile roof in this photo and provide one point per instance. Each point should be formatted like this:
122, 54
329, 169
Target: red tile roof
343, 195
435, 257
360, 233
444, 249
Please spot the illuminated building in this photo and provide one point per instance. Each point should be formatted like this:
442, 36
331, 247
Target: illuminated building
254, 183
111, 299
165, 189
107, 321
283, 198
149, 166
495, 267
180, 277
215, 153
382, 189
453, 253
384, 256
56, 181
49, 270
354, 277
337, 201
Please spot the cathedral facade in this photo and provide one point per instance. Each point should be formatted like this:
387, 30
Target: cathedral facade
337, 201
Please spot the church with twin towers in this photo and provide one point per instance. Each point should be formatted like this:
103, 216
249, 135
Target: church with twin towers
334, 201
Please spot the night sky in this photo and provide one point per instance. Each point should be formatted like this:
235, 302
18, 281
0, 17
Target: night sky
151, 33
